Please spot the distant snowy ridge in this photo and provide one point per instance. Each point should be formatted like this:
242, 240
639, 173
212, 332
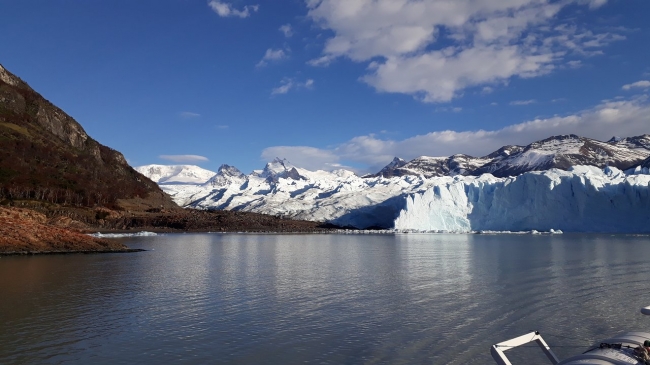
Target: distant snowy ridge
554, 152
440, 194
176, 174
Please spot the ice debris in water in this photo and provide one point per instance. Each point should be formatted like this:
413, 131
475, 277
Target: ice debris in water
118, 235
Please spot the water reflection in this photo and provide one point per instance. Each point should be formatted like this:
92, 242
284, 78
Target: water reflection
327, 299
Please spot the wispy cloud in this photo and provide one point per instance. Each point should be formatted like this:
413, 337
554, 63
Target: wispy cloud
272, 55
618, 117
189, 115
523, 102
643, 84
288, 84
481, 42
487, 90
450, 109
287, 30
184, 158
225, 9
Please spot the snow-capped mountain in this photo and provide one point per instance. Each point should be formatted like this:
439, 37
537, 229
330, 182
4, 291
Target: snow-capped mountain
430, 167
226, 175
175, 174
563, 152
390, 169
560, 152
449, 193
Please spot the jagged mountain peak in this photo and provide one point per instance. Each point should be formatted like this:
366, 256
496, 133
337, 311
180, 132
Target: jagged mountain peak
389, 170
229, 170
281, 168
278, 165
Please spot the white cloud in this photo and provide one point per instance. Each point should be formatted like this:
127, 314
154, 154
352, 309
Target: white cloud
643, 84
619, 117
272, 55
189, 115
321, 61
523, 102
288, 84
226, 10
287, 30
574, 64
487, 41
184, 158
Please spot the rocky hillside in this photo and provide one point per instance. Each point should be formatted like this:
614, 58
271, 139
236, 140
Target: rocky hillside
47, 156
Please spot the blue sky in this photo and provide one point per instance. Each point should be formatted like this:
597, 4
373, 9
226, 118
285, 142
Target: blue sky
333, 83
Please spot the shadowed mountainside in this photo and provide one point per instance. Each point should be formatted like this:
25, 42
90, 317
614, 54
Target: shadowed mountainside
47, 156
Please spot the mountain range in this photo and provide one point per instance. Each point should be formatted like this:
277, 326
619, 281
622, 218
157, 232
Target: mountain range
343, 198
561, 152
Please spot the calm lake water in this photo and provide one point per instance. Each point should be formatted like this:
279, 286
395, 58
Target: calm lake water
322, 299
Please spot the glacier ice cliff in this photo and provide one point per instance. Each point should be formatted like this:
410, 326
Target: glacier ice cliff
585, 199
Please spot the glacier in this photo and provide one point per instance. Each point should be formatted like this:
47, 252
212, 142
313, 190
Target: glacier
583, 199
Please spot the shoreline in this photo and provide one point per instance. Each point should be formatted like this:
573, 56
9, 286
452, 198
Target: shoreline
76, 252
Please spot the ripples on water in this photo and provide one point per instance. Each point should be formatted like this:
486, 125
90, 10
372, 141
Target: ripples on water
322, 299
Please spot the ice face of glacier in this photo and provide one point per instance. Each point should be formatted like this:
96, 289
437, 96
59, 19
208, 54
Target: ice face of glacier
585, 199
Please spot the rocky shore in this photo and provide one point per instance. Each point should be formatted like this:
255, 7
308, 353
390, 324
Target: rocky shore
34, 227
24, 231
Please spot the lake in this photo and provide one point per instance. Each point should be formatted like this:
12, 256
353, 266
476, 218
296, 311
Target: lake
322, 299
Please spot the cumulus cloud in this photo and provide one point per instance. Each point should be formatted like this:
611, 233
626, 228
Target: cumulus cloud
643, 84
288, 84
184, 158
618, 117
225, 9
434, 49
272, 55
287, 30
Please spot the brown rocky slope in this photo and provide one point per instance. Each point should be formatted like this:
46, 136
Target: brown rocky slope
24, 231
